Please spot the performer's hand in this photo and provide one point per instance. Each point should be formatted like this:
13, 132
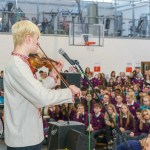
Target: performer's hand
75, 90
59, 65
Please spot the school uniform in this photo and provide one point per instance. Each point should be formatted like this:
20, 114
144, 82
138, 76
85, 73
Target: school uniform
118, 107
139, 81
139, 133
95, 82
130, 126
118, 83
145, 128
84, 82
111, 84
97, 121
98, 124
113, 100
86, 106
71, 115
123, 80
133, 107
83, 118
55, 116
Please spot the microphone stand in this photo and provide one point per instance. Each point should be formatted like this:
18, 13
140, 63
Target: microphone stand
68, 115
77, 65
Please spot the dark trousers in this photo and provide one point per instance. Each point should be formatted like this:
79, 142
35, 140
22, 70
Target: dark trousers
108, 133
134, 145
34, 147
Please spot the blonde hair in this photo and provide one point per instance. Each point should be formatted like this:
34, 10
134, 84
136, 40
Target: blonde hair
113, 114
132, 96
23, 28
142, 118
146, 98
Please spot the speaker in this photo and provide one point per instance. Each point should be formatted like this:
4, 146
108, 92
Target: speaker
57, 137
72, 79
79, 141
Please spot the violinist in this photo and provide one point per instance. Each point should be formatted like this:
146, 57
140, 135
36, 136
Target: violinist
25, 95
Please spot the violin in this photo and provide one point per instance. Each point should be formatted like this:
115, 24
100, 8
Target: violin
37, 62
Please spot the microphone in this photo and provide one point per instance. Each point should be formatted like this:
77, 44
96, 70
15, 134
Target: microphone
61, 51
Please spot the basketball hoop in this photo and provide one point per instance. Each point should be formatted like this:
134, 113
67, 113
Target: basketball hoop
89, 43
94, 36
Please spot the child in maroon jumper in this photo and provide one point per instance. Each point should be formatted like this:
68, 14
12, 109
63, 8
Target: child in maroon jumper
126, 122
55, 113
111, 83
89, 101
144, 121
113, 97
97, 121
135, 134
106, 101
109, 124
68, 112
133, 106
142, 125
81, 115
119, 99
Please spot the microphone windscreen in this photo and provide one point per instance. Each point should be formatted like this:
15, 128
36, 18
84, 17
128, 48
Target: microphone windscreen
61, 51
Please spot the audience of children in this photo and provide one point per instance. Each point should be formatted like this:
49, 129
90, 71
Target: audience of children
126, 98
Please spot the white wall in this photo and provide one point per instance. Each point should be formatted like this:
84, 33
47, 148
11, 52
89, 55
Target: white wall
115, 54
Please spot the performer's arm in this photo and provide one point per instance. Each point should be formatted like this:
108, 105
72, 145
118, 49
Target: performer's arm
24, 82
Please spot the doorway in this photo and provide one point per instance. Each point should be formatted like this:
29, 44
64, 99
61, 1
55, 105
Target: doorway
145, 66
